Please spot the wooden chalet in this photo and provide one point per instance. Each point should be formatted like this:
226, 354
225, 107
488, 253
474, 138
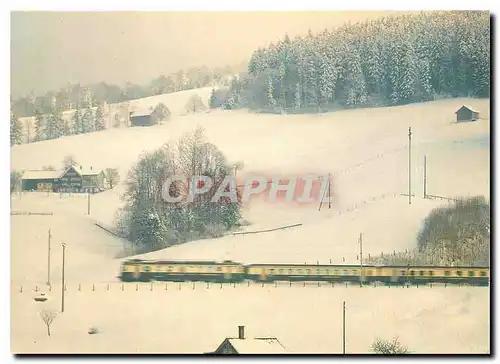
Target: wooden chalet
143, 118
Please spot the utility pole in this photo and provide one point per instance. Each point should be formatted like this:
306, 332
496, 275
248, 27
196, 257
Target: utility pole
343, 328
425, 176
48, 261
361, 259
88, 204
329, 195
62, 289
409, 165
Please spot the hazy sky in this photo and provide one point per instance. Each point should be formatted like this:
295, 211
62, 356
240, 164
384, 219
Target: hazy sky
49, 49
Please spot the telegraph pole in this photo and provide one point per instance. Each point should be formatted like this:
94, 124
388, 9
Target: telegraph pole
48, 261
62, 289
343, 328
361, 259
425, 176
329, 195
409, 165
88, 204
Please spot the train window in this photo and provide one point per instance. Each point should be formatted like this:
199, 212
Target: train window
431, 273
308, 271
471, 273
290, 270
299, 271
169, 268
281, 271
459, 273
412, 272
368, 272
483, 273
219, 269
353, 272
421, 273
159, 268
403, 273
327, 272
446, 273
147, 268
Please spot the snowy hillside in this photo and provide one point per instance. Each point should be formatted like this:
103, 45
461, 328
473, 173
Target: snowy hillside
365, 150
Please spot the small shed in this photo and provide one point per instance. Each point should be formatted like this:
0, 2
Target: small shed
244, 346
142, 118
40, 180
466, 113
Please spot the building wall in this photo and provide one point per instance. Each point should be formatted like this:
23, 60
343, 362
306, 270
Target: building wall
145, 120
39, 184
466, 115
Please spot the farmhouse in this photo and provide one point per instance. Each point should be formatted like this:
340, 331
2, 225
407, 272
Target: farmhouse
80, 180
466, 113
67, 180
242, 345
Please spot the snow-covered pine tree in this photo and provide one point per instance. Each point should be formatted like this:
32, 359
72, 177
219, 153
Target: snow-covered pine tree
16, 130
39, 125
76, 122
88, 121
298, 97
99, 118
270, 92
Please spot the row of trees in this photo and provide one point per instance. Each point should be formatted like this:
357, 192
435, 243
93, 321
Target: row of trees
454, 235
75, 95
149, 222
54, 125
389, 61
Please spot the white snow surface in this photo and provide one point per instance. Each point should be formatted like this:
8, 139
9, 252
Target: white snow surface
367, 153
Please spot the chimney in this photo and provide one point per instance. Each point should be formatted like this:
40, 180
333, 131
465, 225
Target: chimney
241, 332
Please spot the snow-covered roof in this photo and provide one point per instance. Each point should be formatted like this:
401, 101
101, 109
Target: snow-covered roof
41, 174
468, 107
140, 113
264, 345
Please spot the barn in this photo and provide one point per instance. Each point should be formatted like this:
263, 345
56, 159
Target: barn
142, 118
40, 180
466, 113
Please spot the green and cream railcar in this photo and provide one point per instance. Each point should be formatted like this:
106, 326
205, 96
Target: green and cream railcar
141, 270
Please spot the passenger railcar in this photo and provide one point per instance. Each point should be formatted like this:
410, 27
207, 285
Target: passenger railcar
228, 271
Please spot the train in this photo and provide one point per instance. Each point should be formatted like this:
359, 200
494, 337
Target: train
139, 270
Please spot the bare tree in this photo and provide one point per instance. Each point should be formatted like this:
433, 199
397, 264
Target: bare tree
195, 104
48, 316
69, 161
161, 112
15, 180
380, 346
112, 176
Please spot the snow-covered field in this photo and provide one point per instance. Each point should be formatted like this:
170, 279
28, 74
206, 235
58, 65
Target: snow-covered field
367, 153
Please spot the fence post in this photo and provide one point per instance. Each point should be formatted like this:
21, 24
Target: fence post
79, 287
136, 287
93, 287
